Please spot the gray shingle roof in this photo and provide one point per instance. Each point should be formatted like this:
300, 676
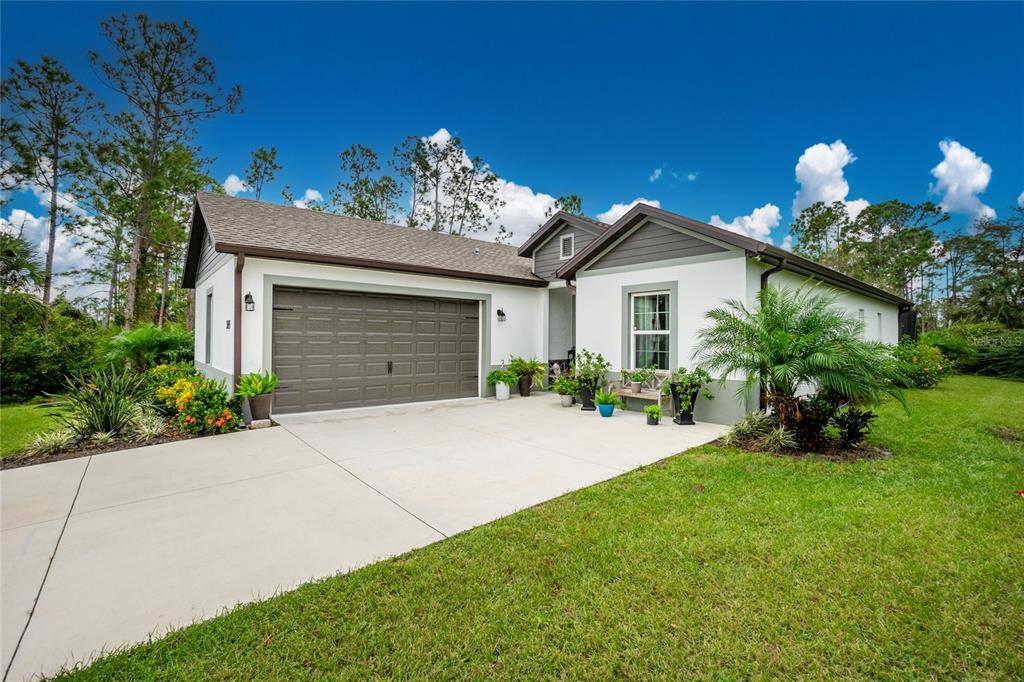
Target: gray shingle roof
259, 228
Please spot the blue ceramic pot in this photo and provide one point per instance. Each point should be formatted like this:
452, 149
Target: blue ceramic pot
606, 410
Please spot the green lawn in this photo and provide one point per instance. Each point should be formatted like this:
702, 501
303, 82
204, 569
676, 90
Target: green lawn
714, 565
19, 424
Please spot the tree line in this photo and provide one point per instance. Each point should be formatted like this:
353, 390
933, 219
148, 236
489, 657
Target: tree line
118, 173
950, 276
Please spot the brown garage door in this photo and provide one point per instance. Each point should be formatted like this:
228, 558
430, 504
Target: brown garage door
334, 349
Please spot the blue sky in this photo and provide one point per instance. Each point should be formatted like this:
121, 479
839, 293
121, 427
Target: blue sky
593, 98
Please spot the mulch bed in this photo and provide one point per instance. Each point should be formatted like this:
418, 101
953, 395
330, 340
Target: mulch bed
86, 448
854, 454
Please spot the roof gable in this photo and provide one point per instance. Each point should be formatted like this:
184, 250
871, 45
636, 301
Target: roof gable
548, 230
268, 230
753, 247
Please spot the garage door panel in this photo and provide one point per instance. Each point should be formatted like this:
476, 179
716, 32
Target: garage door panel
332, 348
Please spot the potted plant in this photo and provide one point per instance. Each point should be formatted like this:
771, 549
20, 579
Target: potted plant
606, 401
653, 413
638, 377
684, 386
529, 372
567, 387
258, 389
501, 379
589, 370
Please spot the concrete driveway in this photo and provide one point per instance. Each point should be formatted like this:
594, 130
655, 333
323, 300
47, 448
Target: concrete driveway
104, 551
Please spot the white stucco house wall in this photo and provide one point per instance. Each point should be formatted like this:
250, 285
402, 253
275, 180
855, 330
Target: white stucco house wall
350, 312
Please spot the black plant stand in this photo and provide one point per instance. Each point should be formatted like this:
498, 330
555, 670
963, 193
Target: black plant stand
683, 417
587, 398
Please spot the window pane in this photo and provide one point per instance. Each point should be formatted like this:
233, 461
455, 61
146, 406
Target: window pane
650, 312
651, 349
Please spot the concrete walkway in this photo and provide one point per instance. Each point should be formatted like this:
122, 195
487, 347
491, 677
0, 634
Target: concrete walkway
105, 551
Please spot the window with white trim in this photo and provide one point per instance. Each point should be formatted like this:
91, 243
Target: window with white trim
863, 327
567, 246
650, 336
879, 315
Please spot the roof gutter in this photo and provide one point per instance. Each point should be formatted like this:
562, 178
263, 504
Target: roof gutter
306, 257
236, 374
779, 265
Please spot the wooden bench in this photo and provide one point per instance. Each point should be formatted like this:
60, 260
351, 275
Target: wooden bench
649, 390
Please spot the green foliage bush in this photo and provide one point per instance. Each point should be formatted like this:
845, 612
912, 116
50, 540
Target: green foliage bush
981, 348
33, 364
503, 375
533, 368
147, 345
257, 383
566, 385
920, 365
106, 401
207, 408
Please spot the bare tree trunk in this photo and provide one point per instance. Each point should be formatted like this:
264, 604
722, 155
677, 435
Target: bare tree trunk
163, 291
48, 276
141, 230
190, 310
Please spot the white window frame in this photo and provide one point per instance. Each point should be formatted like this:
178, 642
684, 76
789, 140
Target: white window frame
572, 246
879, 318
634, 332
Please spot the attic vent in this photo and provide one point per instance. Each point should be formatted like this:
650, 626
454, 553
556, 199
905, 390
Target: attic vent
566, 246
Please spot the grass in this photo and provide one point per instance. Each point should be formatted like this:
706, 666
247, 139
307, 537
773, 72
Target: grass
717, 564
19, 424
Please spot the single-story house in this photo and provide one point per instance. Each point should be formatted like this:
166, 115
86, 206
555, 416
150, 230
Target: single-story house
352, 313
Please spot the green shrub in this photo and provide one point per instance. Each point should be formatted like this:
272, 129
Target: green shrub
503, 375
653, 411
207, 408
607, 396
106, 401
1001, 355
533, 368
257, 383
49, 443
590, 369
920, 365
147, 345
566, 385
776, 440
853, 425
814, 414
33, 364
753, 426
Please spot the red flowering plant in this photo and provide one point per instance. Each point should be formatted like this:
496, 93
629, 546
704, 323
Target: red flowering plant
207, 408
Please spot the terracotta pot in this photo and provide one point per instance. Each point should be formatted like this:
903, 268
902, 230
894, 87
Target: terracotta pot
636, 387
260, 406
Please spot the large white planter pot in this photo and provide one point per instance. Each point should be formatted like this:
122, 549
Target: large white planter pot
501, 391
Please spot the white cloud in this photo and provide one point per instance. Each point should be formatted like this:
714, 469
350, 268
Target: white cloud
1020, 199
655, 175
308, 196
758, 224
960, 177
692, 176
619, 210
68, 252
234, 185
787, 243
819, 170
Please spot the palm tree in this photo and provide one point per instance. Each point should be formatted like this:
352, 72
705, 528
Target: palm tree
20, 267
795, 340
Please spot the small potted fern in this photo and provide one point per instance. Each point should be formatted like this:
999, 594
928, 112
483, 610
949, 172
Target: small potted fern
258, 389
502, 379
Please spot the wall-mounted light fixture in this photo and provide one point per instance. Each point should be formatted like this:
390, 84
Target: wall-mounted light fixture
250, 304
501, 315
